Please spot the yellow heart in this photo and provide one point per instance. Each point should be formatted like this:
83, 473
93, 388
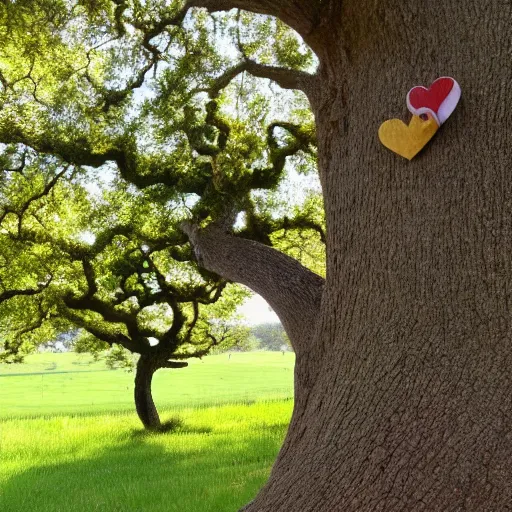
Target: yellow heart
405, 140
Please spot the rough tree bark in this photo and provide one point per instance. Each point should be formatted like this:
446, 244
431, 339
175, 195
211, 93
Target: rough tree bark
404, 394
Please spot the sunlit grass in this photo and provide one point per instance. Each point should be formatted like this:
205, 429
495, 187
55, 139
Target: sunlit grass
216, 461
83, 448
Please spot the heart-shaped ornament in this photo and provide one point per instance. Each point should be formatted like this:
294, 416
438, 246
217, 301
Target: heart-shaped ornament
407, 140
440, 99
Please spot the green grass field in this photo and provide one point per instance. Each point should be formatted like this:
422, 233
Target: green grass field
67, 383
69, 439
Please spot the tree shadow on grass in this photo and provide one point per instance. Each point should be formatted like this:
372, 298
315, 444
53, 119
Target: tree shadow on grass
174, 425
186, 473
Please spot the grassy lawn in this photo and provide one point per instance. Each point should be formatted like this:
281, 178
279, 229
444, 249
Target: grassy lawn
216, 461
67, 383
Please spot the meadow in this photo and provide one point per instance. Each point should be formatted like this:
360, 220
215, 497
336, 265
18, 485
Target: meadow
70, 440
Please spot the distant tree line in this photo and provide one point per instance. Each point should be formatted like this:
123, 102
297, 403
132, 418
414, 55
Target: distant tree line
271, 336
236, 337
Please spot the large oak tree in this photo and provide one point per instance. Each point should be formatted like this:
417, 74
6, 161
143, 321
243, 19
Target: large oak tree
403, 396
108, 264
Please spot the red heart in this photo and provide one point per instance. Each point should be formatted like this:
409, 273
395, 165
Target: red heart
441, 99
432, 97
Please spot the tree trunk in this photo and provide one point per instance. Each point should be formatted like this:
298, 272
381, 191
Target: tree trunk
144, 404
407, 401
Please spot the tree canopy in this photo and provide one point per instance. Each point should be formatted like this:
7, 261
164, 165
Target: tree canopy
152, 90
108, 261
148, 94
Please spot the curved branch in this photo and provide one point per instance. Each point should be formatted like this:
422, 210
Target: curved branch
107, 310
115, 97
285, 78
193, 322
302, 140
301, 15
293, 291
121, 6
122, 152
9, 294
95, 330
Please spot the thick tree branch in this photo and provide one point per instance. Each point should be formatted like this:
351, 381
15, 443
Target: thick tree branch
293, 291
193, 322
121, 6
141, 172
89, 302
9, 294
285, 78
301, 15
174, 364
200, 353
90, 277
101, 334
302, 140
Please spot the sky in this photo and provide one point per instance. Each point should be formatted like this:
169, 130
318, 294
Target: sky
257, 311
